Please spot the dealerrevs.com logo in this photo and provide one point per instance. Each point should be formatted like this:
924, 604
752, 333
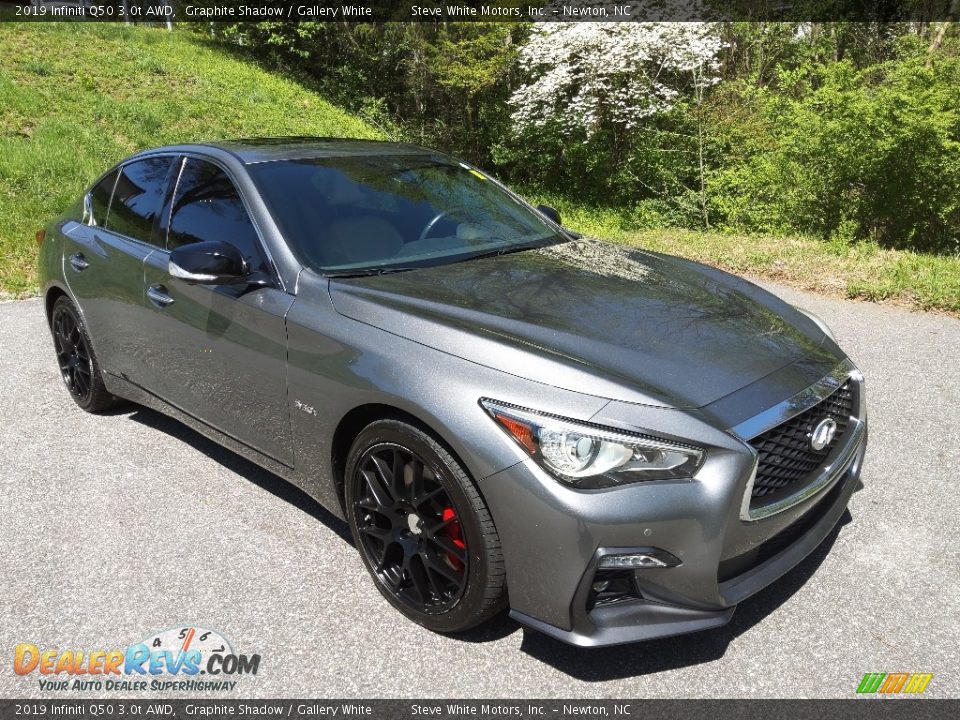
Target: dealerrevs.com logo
189, 659
898, 683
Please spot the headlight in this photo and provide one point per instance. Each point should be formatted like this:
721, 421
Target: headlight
820, 323
592, 457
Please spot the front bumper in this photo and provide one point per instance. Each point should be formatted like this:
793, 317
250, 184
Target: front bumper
555, 537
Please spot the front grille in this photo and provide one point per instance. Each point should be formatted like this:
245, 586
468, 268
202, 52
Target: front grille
786, 456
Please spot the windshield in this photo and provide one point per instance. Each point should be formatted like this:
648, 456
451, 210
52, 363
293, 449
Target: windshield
371, 213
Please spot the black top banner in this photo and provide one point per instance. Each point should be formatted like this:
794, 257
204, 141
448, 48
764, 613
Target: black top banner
232, 11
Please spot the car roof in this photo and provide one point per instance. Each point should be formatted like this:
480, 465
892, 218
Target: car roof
265, 149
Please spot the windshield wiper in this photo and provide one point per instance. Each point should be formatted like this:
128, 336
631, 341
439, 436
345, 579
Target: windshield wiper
519, 247
364, 272
387, 270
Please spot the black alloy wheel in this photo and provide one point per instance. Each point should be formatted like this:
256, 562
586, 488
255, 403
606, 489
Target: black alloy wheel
409, 528
73, 354
422, 529
76, 359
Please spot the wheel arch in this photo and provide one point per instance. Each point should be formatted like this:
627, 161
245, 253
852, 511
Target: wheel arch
353, 423
53, 293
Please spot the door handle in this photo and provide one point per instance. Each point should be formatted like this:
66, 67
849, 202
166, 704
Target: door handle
78, 262
158, 296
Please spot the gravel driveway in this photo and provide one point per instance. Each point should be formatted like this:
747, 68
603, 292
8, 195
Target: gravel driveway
115, 527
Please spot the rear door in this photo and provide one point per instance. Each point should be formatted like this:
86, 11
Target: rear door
103, 259
218, 352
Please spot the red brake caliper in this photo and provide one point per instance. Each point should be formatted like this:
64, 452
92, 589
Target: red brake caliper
456, 536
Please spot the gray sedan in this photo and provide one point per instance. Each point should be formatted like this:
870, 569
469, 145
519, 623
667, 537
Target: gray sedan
616, 444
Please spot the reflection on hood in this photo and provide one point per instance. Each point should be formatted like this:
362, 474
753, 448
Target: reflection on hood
677, 332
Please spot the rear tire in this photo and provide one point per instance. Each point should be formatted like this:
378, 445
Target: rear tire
422, 529
75, 357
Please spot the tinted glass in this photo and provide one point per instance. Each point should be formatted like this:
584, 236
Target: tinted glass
207, 206
137, 198
100, 198
356, 213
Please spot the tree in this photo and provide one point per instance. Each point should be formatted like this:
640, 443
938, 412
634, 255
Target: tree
586, 75
619, 105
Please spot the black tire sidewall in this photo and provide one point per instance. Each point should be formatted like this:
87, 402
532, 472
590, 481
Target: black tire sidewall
98, 397
466, 613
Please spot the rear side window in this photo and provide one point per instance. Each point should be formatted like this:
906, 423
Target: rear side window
137, 198
207, 206
100, 198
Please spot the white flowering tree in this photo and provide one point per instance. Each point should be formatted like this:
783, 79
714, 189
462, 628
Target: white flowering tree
599, 81
584, 74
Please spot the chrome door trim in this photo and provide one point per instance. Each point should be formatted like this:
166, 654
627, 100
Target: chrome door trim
88, 218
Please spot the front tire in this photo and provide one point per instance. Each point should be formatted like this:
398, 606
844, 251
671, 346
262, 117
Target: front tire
422, 529
78, 364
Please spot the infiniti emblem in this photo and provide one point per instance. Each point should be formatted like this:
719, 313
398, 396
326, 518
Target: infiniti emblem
823, 433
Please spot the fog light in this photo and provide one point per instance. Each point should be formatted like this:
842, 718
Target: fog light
639, 561
611, 586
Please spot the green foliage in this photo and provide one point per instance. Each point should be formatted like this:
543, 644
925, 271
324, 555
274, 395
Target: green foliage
651, 174
444, 85
75, 98
844, 131
869, 153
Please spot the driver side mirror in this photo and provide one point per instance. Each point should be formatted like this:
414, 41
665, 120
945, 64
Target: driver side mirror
555, 217
550, 213
208, 263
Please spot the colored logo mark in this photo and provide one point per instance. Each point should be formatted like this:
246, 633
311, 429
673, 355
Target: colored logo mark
894, 683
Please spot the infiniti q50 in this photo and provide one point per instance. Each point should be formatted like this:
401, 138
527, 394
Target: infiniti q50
615, 444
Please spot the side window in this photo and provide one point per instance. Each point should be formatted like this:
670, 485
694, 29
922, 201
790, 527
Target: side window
137, 198
207, 206
100, 199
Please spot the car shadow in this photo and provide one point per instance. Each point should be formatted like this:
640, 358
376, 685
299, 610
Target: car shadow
264, 479
611, 663
496, 628
587, 664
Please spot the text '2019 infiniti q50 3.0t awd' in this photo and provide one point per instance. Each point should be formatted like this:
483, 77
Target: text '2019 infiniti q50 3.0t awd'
618, 444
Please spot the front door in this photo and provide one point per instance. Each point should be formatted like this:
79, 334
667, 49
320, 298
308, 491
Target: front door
219, 352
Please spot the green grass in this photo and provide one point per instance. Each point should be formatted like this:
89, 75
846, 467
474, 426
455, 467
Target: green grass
862, 271
75, 98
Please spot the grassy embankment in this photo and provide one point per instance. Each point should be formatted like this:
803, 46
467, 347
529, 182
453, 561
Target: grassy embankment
75, 98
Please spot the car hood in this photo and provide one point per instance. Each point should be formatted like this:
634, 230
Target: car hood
592, 317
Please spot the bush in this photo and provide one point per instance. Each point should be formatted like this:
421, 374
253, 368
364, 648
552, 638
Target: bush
860, 154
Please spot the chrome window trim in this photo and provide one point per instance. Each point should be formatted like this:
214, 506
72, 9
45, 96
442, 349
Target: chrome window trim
838, 462
88, 219
175, 185
119, 168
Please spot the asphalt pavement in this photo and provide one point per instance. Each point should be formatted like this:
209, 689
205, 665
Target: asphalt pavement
114, 527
